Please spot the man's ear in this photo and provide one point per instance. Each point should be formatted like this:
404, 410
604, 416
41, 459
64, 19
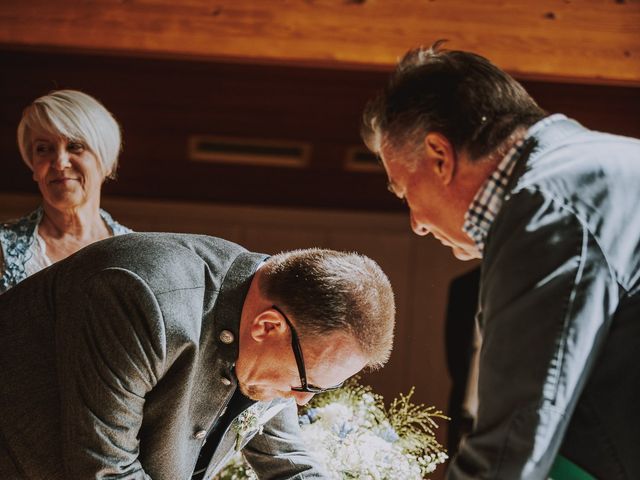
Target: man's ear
440, 156
267, 325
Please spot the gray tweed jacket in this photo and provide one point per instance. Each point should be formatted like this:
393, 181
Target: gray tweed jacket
112, 364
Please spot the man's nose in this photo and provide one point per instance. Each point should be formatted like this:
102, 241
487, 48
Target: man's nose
302, 398
418, 228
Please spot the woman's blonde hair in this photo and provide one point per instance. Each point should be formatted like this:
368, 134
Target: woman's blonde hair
76, 116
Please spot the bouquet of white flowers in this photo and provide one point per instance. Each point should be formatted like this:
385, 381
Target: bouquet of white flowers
356, 437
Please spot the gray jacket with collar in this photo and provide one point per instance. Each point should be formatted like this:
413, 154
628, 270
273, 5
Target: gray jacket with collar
112, 362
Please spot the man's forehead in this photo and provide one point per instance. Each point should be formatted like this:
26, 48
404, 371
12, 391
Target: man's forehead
394, 170
341, 355
331, 347
390, 155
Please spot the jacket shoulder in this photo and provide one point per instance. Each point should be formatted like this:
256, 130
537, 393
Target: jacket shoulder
165, 261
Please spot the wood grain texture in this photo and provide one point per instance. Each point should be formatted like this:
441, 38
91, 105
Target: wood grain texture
586, 41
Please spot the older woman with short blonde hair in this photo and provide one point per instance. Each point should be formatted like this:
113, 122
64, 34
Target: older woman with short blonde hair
71, 143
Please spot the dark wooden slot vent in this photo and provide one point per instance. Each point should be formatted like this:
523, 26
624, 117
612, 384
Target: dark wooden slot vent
360, 159
266, 153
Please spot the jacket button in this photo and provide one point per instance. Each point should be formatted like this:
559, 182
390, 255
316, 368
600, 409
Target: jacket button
200, 434
226, 337
225, 381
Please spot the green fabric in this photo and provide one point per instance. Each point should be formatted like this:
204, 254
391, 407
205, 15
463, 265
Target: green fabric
564, 469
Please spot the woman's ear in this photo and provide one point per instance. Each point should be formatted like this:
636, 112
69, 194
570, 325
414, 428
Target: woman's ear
440, 156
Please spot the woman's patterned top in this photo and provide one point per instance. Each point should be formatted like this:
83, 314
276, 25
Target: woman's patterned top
18, 239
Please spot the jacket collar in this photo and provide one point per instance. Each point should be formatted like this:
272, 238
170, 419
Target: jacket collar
228, 307
547, 132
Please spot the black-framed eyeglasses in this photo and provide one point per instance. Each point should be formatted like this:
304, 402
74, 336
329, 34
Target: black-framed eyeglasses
297, 352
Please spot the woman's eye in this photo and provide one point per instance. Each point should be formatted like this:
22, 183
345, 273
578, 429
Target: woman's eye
75, 147
42, 149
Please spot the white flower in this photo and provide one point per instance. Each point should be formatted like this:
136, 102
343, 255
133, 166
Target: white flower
247, 422
353, 437
335, 414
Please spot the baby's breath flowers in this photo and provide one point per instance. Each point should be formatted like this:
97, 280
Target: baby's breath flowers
356, 437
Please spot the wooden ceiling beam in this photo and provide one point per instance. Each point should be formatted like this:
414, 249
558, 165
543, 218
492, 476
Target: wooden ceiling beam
584, 41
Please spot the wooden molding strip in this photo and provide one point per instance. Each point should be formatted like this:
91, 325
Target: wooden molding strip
586, 41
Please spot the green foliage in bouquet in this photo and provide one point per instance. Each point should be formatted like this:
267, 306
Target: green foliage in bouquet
415, 425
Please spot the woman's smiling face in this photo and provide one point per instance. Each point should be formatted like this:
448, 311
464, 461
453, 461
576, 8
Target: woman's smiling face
68, 174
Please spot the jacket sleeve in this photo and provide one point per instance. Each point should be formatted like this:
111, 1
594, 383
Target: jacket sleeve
547, 296
111, 342
279, 452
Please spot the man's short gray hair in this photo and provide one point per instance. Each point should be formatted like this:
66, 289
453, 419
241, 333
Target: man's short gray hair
327, 291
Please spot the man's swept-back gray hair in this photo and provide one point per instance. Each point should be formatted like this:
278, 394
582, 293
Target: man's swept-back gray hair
76, 116
460, 95
329, 291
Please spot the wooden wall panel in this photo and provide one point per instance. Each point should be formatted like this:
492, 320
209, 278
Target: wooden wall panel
592, 41
430, 281
267, 238
390, 248
161, 102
